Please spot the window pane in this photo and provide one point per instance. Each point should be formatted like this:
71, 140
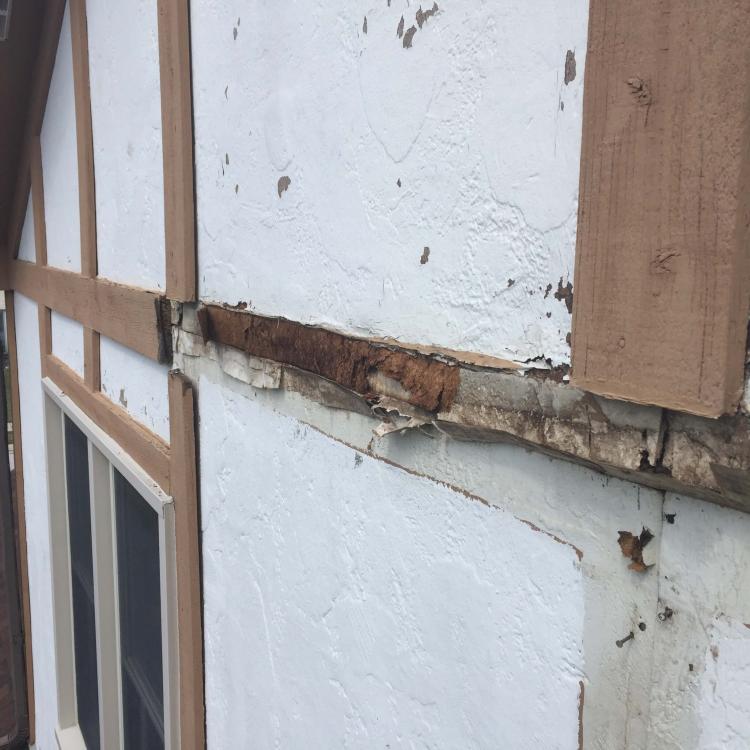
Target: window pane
140, 618
82, 575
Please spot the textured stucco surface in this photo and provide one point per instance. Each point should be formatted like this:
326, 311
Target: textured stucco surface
37, 520
351, 604
26, 248
704, 580
67, 341
137, 384
60, 161
474, 120
126, 120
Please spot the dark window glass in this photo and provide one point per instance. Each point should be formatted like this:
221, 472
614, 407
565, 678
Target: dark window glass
82, 575
140, 618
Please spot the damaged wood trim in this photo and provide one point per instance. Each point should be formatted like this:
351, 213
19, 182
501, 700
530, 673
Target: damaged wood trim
363, 366
184, 490
177, 148
147, 449
662, 276
20, 511
133, 317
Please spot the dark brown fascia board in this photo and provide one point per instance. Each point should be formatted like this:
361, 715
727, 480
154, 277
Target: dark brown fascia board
131, 316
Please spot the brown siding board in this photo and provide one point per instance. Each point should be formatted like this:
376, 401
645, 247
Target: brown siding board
131, 316
184, 489
177, 148
20, 510
661, 282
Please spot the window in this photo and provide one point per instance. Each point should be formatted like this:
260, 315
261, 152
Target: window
113, 569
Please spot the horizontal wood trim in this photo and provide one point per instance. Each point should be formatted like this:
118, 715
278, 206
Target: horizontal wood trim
357, 364
662, 278
147, 449
184, 489
177, 148
131, 316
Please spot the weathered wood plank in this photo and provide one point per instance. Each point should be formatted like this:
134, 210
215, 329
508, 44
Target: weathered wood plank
662, 282
131, 316
177, 148
184, 489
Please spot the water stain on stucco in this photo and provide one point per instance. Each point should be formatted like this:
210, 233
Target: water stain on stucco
425, 255
424, 15
409, 35
400, 28
565, 294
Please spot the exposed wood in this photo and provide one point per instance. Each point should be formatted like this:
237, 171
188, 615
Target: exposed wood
84, 136
134, 317
37, 194
92, 372
45, 335
20, 508
147, 449
662, 281
177, 148
184, 490
354, 363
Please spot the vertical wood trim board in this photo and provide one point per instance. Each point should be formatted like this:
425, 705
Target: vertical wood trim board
92, 372
37, 194
177, 148
20, 510
661, 279
84, 136
183, 473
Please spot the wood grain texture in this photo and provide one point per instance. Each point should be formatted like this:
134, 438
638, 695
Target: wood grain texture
20, 509
84, 136
37, 194
147, 449
92, 363
45, 335
177, 148
131, 316
184, 490
661, 281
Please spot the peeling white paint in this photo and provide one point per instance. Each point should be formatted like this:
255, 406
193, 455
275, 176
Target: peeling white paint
137, 384
67, 341
37, 520
27, 246
126, 120
349, 604
468, 121
60, 161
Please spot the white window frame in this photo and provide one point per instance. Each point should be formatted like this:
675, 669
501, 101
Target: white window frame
104, 455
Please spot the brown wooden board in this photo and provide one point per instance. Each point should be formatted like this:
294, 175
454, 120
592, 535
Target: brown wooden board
184, 489
354, 363
177, 148
20, 509
133, 317
147, 449
661, 280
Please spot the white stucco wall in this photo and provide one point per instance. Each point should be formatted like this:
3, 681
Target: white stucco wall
67, 341
27, 248
137, 384
60, 161
37, 520
126, 119
474, 120
350, 604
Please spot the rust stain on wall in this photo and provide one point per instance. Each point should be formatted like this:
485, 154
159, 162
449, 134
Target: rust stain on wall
351, 362
570, 67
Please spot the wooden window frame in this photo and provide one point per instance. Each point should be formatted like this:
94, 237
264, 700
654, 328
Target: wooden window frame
104, 456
